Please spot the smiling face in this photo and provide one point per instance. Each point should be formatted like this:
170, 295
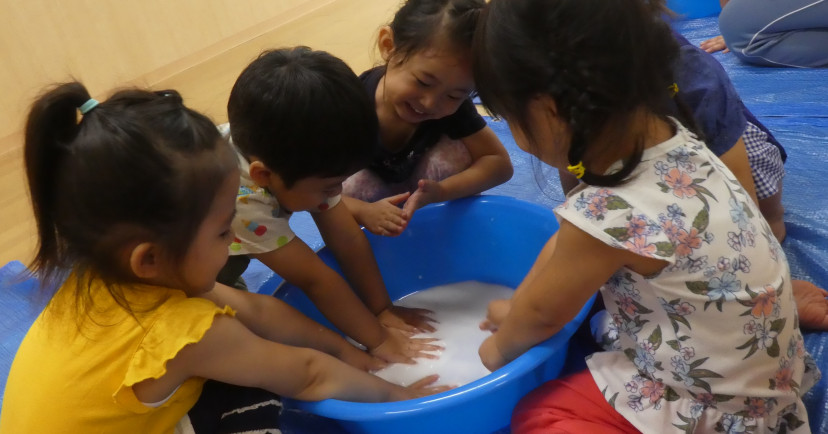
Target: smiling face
428, 84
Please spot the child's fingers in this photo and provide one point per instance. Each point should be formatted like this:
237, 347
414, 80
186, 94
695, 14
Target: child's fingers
398, 199
390, 229
377, 364
420, 311
423, 341
425, 327
487, 325
424, 386
424, 382
436, 389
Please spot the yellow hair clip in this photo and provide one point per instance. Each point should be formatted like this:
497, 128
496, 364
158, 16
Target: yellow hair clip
673, 89
578, 170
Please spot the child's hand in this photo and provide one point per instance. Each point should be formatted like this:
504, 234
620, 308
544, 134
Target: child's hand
361, 359
399, 348
496, 313
384, 217
428, 191
409, 320
490, 354
420, 388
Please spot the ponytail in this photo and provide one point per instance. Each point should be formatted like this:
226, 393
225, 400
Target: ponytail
51, 127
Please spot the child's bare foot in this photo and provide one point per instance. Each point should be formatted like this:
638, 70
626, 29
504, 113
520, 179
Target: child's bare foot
811, 304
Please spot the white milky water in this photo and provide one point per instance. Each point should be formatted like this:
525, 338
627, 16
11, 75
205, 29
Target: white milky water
459, 308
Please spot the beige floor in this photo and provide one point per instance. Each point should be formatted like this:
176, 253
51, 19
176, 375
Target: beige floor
345, 28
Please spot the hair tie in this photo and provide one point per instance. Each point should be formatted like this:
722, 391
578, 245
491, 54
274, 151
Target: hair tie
88, 106
578, 170
673, 89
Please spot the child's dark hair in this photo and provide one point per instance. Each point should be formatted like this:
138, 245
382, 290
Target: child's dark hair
419, 22
303, 113
138, 167
600, 61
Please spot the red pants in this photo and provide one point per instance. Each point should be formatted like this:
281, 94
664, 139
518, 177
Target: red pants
568, 405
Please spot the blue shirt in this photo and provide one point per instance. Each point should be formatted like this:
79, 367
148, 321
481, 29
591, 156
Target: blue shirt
705, 88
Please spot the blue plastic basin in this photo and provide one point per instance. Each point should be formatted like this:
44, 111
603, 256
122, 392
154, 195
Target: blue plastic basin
689, 9
491, 239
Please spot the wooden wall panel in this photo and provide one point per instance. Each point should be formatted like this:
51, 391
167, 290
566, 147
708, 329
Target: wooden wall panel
196, 46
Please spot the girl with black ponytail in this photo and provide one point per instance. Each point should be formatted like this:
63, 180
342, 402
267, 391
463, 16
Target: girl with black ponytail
134, 198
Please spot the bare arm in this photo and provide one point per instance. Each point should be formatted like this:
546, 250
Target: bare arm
299, 265
347, 242
555, 291
332, 295
736, 159
275, 320
491, 166
354, 254
230, 353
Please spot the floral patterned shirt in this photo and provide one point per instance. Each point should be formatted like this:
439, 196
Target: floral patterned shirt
711, 343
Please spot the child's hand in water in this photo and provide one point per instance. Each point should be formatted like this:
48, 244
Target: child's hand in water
384, 217
490, 355
409, 320
361, 359
420, 388
428, 191
399, 348
495, 314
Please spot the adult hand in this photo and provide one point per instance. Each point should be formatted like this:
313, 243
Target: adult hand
713, 45
811, 305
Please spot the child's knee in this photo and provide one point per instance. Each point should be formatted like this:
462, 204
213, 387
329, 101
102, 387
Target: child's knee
367, 186
448, 157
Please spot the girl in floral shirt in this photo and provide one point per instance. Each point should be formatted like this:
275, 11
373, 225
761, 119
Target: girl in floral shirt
697, 285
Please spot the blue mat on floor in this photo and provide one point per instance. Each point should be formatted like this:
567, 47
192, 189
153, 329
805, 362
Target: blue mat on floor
791, 102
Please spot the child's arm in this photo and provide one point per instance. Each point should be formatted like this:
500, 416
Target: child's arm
556, 290
736, 159
273, 319
491, 166
349, 245
330, 293
231, 353
499, 309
